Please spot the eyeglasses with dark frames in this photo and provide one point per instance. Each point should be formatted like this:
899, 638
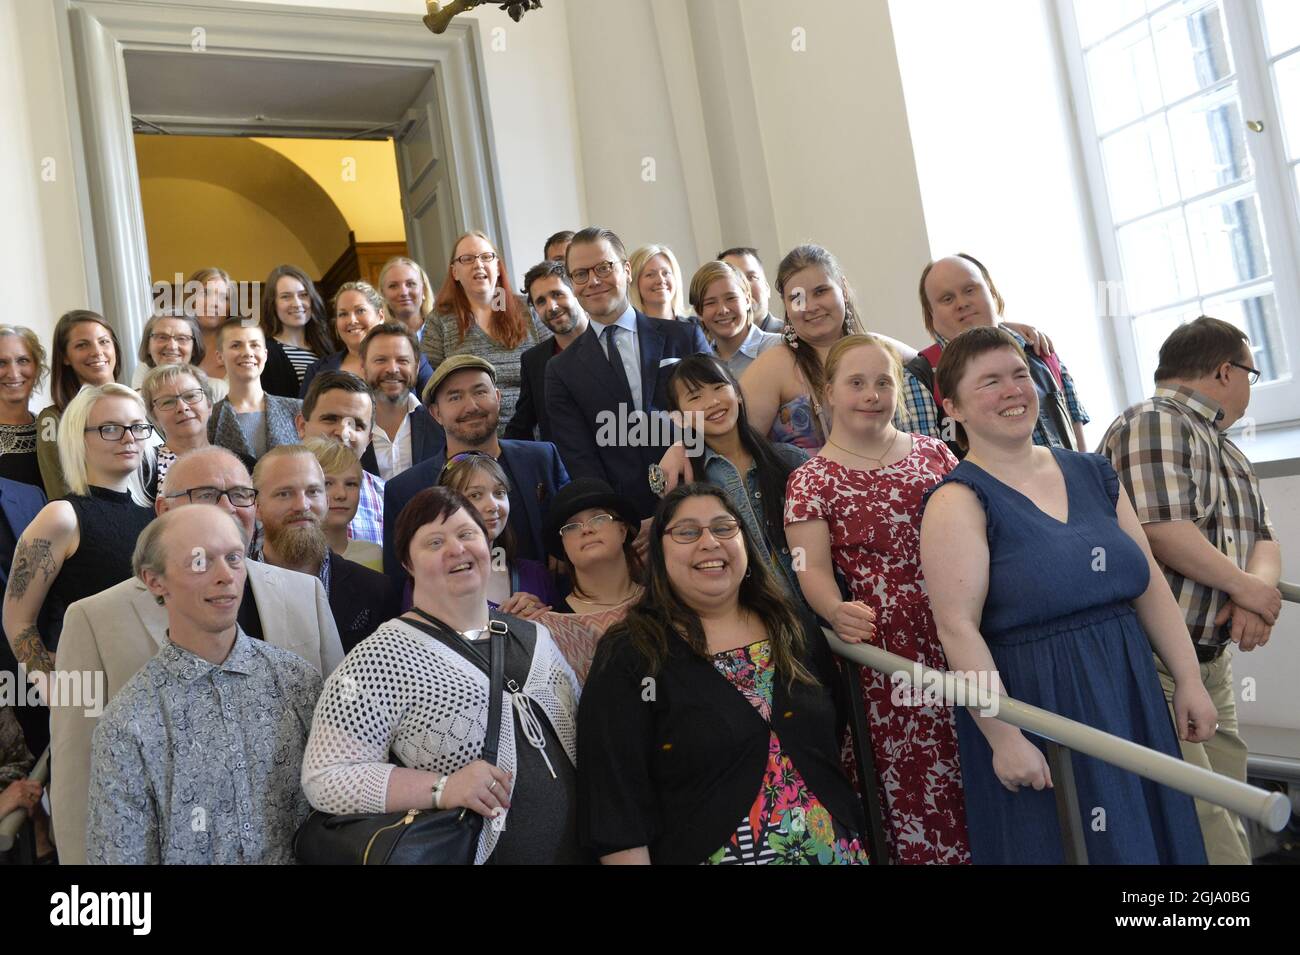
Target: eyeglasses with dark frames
688, 532
487, 258
238, 496
162, 338
1252, 373
116, 432
603, 270
193, 397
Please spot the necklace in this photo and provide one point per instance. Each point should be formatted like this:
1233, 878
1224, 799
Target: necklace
858, 454
636, 591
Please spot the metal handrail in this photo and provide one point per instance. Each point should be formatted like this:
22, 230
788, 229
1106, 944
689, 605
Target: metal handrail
12, 823
1271, 810
1290, 592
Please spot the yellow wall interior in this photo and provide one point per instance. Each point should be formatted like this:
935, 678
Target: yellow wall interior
248, 205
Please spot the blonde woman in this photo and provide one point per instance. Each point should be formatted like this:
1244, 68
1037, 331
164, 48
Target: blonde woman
656, 286
343, 494
80, 545
207, 301
178, 400
407, 292
22, 369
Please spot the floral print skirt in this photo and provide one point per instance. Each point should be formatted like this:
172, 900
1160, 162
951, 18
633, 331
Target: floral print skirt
786, 824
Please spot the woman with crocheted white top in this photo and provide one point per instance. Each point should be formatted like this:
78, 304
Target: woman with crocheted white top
401, 723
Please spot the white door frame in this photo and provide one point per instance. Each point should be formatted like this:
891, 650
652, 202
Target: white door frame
94, 36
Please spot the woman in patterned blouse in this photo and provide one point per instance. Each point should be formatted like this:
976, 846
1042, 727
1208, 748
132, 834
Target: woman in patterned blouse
677, 766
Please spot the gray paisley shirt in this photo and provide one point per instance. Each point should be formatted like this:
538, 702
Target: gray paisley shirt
200, 763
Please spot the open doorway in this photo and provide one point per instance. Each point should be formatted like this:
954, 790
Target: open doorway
331, 207
238, 71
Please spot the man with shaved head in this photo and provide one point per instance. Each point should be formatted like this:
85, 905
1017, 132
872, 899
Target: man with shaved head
111, 635
197, 760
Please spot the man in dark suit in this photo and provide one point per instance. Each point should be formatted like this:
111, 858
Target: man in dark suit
19, 503
404, 433
463, 397
291, 505
549, 293
607, 393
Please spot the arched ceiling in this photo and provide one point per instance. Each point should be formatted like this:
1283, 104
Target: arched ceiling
262, 175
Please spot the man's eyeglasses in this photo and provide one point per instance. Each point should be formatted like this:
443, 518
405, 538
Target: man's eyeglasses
116, 432
238, 496
192, 398
161, 338
688, 532
487, 258
594, 523
1252, 373
603, 271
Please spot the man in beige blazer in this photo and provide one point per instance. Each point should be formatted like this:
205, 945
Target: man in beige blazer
117, 631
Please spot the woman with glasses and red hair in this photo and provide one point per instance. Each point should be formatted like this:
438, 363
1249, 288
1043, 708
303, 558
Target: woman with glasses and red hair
476, 313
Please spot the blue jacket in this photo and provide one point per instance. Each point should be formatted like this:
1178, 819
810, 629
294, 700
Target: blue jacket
583, 395
335, 361
535, 471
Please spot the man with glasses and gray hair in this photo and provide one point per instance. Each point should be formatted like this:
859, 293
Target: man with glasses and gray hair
107, 638
1199, 501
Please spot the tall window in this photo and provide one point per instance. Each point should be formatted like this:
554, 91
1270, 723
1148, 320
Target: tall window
1190, 114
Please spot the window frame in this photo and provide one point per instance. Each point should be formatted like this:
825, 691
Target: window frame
1274, 404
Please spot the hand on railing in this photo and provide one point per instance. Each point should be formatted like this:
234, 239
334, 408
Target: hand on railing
1018, 762
13, 821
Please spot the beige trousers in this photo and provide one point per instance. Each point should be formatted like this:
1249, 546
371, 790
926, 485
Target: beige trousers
1224, 753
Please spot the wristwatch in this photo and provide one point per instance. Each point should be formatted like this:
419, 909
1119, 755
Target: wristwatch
658, 480
438, 787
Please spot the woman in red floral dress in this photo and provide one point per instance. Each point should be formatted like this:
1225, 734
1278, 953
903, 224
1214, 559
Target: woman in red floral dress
856, 509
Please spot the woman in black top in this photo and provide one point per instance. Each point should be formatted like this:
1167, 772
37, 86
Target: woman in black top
297, 333
22, 368
709, 729
81, 544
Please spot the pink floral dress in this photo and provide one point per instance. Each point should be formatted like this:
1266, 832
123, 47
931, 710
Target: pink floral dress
787, 824
874, 517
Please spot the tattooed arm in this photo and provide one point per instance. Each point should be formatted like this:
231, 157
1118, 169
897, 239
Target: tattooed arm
49, 540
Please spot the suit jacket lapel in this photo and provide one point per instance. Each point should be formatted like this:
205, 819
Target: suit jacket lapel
152, 617
652, 352
229, 434
594, 358
280, 427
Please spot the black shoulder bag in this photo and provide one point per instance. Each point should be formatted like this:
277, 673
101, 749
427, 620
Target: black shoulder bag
416, 836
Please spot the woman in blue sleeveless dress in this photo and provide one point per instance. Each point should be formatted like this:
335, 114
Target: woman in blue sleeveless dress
1037, 568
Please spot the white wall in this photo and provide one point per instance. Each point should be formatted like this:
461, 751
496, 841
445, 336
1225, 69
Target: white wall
995, 153
40, 244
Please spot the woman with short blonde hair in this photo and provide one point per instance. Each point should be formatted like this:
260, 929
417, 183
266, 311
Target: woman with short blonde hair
657, 283
178, 400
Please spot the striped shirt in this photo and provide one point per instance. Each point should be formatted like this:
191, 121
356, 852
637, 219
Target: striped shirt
1178, 466
300, 358
919, 413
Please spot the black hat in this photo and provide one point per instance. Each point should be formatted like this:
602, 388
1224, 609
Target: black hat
578, 496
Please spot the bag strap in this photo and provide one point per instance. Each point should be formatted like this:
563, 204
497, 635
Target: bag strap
498, 630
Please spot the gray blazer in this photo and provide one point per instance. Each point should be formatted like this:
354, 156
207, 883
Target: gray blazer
224, 430
107, 638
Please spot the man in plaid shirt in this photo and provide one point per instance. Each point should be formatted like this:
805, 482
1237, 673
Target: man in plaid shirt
339, 406
1199, 502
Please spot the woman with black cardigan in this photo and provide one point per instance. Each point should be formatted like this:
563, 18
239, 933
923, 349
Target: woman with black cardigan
709, 729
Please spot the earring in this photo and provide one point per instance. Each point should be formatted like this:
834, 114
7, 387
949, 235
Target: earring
790, 336
748, 572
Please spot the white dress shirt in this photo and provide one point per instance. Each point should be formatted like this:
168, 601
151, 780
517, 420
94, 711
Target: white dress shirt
394, 454
629, 349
